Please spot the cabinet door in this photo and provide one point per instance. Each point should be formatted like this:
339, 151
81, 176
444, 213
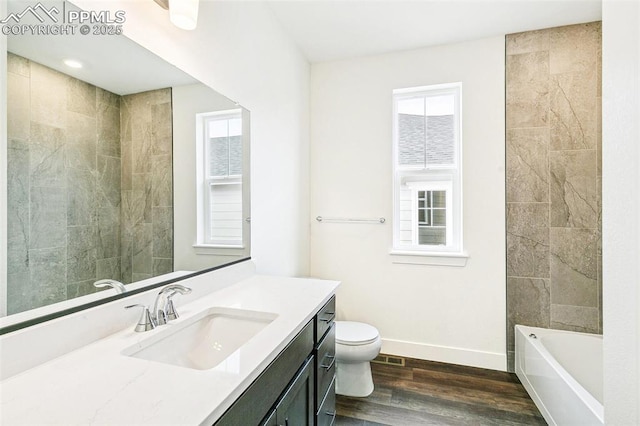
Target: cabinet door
265, 392
296, 406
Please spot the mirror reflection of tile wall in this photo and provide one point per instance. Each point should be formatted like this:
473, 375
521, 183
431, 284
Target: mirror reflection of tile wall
147, 185
554, 179
78, 210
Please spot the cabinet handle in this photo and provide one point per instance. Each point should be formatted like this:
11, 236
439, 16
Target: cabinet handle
333, 416
332, 316
333, 361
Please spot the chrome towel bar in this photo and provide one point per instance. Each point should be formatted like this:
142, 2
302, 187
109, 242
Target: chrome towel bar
321, 219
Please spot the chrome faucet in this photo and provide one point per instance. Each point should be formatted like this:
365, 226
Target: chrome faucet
163, 308
116, 285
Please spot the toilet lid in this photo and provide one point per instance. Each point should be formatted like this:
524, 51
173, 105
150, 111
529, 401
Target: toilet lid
355, 333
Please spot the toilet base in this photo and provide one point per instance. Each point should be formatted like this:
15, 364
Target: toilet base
354, 379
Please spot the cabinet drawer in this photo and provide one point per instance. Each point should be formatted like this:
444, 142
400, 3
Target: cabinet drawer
326, 415
326, 357
325, 318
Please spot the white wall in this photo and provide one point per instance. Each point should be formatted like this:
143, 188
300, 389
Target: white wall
240, 50
621, 210
451, 314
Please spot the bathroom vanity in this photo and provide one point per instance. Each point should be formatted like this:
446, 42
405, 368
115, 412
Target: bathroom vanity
281, 373
287, 395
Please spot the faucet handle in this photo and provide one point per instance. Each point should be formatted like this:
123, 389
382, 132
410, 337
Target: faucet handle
169, 307
145, 323
170, 311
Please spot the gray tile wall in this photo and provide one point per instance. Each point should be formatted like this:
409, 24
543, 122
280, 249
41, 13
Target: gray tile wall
147, 185
554, 146
58, 170
66, 172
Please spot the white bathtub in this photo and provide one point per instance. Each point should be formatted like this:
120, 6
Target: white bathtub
562, 371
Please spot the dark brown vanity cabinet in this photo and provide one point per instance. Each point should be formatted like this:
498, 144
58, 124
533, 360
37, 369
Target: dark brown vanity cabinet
298, 387
325, 361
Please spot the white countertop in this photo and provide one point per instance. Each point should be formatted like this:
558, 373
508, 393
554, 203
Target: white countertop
96, 384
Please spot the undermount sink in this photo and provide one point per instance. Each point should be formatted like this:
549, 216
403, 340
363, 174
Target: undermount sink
204, 341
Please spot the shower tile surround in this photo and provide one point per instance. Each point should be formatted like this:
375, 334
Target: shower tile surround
77, 209
147, 185
554, 147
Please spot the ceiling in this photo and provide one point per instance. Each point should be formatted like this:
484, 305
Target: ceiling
324, 30
327, 30
114, 63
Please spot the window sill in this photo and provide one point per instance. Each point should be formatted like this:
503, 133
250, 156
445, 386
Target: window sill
458, 259
219, 250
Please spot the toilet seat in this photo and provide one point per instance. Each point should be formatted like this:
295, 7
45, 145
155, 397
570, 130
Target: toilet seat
351, 333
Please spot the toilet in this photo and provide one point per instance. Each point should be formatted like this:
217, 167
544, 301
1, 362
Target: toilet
357, 343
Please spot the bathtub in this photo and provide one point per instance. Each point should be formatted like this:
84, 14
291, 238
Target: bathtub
562, 372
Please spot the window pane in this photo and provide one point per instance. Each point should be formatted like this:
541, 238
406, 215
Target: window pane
440, 105
235, 127
439, 199
235, 155
421, 216
411, 132
432, 236
439, 217
440, 140
412, 106
226, 213
218, 128
219, 157
440, 129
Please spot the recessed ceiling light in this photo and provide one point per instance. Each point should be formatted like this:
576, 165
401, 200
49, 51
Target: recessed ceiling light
72, 63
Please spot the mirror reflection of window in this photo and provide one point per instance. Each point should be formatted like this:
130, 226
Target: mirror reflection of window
222, 178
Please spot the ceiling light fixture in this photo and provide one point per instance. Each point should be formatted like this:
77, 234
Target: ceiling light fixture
72, 63
182, 13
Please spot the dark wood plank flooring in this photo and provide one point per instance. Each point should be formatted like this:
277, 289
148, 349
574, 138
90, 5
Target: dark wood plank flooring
433, 393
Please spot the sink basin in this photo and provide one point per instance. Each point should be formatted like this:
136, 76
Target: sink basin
204, 341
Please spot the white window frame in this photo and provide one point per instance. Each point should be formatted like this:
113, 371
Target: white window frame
430, 178
205, 181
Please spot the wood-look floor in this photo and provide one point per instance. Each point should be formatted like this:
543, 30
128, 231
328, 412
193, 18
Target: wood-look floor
433, 393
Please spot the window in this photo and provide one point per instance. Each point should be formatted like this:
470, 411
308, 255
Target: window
432, 217
427, 170
219, 146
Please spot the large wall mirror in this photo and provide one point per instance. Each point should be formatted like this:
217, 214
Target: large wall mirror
120, 166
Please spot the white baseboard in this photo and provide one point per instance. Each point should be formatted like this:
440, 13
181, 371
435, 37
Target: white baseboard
460, 356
